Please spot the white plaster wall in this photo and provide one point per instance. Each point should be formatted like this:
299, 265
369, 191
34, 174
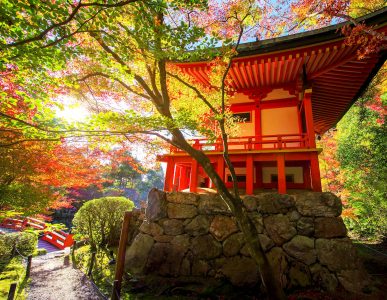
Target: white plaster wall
295, 171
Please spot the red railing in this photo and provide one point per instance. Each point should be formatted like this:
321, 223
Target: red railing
249, 143
60, 239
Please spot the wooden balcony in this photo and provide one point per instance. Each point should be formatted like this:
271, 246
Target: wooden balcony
250, 143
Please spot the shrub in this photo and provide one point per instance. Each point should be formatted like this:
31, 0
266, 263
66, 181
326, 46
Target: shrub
100, 220
24, 242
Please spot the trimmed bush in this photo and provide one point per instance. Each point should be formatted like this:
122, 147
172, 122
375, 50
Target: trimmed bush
100, 220
24, 242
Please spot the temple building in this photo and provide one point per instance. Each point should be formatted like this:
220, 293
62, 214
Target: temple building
289, 90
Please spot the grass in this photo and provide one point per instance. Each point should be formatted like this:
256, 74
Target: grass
12, 271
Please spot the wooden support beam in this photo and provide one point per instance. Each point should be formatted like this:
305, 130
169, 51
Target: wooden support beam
281, 174
249, 174
193, 182
176, 178
315, 173
309, 118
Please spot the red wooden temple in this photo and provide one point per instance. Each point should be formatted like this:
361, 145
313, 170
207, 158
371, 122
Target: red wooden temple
288, 90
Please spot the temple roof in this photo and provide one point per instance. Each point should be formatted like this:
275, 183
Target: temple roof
337, 76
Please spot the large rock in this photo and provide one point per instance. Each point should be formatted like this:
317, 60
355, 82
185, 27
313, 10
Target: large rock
305, 226
172, 226
299, 275
323, 278
206, 247
166, 258
329, 227
250, 202
241, 271
222, 227
355, 280
279, 228
199, 267
318, 204
151, 228
270, 203
302, 249
213, 204
137, 254
157, 205
337, 254
183, 198
233, 244
198, 226
181, 211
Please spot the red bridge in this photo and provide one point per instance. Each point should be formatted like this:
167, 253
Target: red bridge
59, 238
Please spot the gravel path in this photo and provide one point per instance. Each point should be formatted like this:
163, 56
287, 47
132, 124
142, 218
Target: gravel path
52, 280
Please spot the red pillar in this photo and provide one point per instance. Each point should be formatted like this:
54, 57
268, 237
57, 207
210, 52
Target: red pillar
281, 174
315, 173
176, 178
220, 167
168, 183
182, 178
193, 182
309, 118
306, 176
249, 174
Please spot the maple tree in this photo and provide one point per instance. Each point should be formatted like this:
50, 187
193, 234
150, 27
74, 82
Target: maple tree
121, 50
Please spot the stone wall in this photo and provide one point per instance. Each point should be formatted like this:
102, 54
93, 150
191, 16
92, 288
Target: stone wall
191, 235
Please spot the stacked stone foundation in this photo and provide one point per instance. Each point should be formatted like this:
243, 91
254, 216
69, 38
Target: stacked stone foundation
303, 236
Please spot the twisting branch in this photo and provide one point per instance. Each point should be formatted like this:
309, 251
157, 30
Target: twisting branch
126, 86
196, 90
72, 15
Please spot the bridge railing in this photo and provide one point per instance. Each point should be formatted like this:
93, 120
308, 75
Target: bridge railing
60, 239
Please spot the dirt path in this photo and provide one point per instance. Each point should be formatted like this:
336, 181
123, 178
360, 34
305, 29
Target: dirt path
52, 280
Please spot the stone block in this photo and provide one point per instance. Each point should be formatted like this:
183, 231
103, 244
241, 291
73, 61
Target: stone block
172, 226
241, 271
213, 204
318, 204
206, 247
329, 227
151, 228
157, 205
305, 226
279, 228
183, 198
181, 211
301, 248
233, 244
137, 254
198, 226
222, 227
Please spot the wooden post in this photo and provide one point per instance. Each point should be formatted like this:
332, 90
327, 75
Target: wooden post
73, 254
281, 174
29, 262
116, 293
12, 290
315, 173
309, 117
249, 174
121, 256
193, 183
